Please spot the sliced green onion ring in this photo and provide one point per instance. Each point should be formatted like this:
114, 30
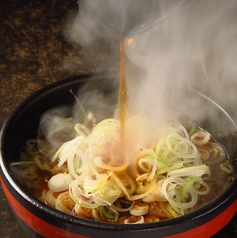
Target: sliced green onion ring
134, 220
227, 168
139, 209
109, 214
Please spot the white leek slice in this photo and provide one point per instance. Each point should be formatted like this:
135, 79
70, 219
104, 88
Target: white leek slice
181, 146
60, 182
98, 161
126, 184
152, 186
78, 195
183, 132
193, 171
81, 129
171, 168
171, 196
129, 221
120, 209
139, 209
83, 164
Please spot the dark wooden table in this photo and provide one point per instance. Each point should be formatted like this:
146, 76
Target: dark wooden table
33, 53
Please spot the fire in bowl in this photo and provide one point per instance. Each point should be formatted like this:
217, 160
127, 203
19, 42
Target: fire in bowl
38, 219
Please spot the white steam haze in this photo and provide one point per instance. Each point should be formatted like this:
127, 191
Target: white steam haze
191, 44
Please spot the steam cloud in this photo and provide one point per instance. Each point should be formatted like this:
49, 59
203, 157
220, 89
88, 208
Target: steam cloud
190, 44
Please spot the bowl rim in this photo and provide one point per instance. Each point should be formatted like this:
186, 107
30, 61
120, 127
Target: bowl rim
216, 206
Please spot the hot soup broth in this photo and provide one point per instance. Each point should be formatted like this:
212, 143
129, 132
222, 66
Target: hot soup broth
89, 176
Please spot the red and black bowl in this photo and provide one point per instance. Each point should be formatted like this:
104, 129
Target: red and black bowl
40, 220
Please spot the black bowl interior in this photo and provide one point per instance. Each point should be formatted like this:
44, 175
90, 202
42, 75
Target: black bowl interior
24, 121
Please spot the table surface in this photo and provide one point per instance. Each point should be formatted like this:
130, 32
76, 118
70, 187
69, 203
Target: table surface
34, 52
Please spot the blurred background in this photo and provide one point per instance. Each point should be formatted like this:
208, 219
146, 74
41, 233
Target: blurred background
34, 52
